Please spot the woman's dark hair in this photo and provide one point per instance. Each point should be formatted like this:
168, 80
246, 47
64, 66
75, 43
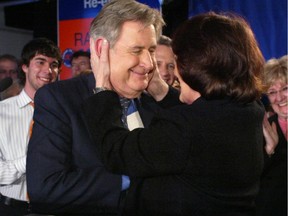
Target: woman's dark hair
218, 56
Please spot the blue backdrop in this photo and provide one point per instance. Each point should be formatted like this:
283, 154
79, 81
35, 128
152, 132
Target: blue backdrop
268, 19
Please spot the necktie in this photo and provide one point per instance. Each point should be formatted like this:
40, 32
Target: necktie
130, 115
30, 134
125, 104
32, 122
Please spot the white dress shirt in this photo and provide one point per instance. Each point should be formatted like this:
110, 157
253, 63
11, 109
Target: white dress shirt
15, 118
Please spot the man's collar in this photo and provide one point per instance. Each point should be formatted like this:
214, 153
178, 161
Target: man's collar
23, 99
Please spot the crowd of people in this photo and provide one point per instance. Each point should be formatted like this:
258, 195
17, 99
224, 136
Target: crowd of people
147, 125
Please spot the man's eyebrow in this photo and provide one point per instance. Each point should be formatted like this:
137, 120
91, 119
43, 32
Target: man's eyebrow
136, 47
43, 59
142, 47
40, 58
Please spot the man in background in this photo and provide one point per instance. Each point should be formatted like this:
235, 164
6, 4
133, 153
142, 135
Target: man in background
8, 66
80, 62
166, 61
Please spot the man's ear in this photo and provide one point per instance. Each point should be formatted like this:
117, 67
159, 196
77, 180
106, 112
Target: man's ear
24, 68
98, 46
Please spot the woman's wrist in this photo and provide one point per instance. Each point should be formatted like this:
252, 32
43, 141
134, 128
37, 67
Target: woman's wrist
99, 89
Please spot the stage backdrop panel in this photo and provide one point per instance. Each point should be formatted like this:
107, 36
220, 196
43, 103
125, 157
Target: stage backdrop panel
267, 18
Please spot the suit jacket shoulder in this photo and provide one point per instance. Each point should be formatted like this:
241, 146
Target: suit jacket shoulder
64, 171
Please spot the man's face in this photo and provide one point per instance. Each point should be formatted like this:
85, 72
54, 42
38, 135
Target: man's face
8, 69
41, 70
132, 59
166, 63
79, 65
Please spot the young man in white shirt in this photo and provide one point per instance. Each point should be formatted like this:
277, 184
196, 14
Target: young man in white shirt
41, 61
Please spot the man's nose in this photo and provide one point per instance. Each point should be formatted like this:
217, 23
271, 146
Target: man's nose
163, 70
48, 67
147, 61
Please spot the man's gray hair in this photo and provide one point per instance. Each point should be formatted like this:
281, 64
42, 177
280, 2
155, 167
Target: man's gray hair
108, 23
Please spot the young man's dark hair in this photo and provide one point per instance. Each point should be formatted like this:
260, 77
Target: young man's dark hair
38, 46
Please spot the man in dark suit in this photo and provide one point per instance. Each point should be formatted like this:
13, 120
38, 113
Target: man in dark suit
63, 170
64, 174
